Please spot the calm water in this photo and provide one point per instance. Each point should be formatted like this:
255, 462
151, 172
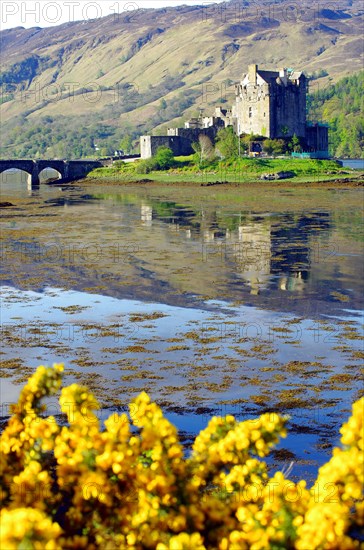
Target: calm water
355, 164
214, 301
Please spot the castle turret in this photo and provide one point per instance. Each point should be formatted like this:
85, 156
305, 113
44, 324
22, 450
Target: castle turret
252, 73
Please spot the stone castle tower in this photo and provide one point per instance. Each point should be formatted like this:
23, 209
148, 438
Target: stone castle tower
271, 103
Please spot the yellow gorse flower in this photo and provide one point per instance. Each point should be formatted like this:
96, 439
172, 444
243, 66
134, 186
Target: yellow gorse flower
81, 486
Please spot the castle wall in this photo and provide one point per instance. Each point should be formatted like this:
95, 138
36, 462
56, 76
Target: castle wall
253, 111
317, 137
192, 134
149, 145
179, 140
288, 110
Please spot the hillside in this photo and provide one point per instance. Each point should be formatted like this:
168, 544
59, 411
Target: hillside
68, 89
341, 105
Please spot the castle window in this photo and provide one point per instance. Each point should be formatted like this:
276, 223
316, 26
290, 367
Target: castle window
250, 112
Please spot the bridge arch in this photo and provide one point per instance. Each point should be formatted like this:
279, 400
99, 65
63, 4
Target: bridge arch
57, 165
24, 172
42, 174
8, 172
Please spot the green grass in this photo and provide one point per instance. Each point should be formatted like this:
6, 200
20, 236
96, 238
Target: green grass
242, 170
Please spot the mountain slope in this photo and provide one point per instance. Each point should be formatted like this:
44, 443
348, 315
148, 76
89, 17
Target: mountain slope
66, 89
341, 105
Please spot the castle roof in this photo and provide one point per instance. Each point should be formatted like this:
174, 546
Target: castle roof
295, 75
271, 76
268, 75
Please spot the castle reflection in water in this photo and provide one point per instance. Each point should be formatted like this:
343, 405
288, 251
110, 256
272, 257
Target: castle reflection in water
257, 248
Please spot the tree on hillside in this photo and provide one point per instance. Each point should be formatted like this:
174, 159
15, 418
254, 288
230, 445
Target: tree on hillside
105, 152
126, 144
161, 131
340, 105
162, 104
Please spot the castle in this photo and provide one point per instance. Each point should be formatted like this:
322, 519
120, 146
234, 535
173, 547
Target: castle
271, 104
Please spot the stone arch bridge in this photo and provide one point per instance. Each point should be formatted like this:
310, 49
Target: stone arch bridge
69, 170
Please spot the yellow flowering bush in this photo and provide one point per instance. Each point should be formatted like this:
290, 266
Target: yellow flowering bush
70, 483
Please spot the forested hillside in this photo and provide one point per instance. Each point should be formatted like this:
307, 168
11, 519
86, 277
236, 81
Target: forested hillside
341, 105
79, 89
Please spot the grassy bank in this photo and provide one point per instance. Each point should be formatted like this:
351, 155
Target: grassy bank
244, 170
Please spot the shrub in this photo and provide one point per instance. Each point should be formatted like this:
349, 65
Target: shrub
164, 158
146, 166
274, 146
73, 485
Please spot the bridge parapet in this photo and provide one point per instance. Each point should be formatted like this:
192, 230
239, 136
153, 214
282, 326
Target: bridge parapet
25, 165
69, 170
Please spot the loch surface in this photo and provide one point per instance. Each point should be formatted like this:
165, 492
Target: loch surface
214, 300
